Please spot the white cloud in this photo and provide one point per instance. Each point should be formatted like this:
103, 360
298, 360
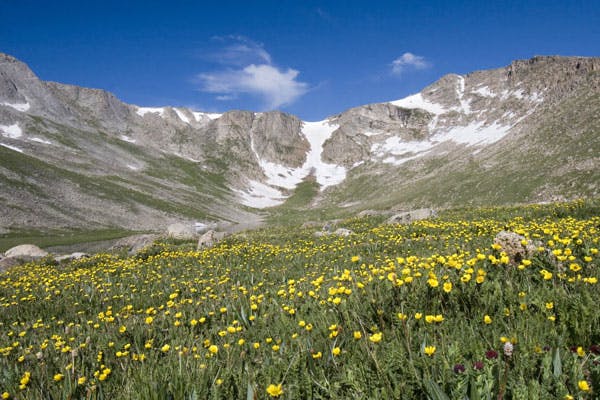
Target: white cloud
409, 60
239, 51
276, 87
249, 69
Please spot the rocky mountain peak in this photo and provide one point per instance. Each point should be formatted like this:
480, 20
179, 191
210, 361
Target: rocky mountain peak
71, 151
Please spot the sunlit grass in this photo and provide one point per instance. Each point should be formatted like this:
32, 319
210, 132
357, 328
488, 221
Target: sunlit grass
392, 311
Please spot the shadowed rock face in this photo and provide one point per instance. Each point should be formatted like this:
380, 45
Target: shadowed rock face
278, 138
352, 141
79, 157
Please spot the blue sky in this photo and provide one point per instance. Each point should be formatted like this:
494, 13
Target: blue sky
313, 59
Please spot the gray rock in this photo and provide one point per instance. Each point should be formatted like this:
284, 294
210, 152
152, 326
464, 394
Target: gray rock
71, 257
181, 231
209, 239
343, 232
512, 244
278, 138
367, 213
8, 262
133, 244
414, 215
26, 250
337, 232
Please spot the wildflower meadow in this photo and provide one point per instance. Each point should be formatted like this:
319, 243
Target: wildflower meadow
432, 309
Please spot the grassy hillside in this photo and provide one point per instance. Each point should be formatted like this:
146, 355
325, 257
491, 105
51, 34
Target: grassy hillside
426, 310
553, 157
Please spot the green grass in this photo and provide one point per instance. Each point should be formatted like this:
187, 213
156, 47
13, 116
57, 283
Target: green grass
393, 311
59, 238
296, 208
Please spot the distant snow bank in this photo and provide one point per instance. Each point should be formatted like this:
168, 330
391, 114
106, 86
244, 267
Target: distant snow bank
260, 195
141, 111
396, 151
11, 131
8, 146
280, 176
180, 112
17, 106
417, 101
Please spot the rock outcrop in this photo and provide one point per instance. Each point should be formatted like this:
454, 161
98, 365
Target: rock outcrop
515, 246
135, 243
209, 239
25, 250
410, 216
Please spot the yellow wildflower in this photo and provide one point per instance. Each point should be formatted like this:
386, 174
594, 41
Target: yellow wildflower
274, 390
376, 337
429, 350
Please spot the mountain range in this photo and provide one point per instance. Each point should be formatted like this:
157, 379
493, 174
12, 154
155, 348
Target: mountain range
79, 158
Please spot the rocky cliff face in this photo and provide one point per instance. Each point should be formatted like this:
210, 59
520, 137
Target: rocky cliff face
475, 110
96, 160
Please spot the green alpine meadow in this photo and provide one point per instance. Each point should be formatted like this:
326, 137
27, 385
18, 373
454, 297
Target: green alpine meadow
436, 308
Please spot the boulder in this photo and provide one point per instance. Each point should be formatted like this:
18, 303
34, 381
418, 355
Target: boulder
337, 232
367, 213
414, 215
26, 250
8, 262
343, 232
511, 243
209, 239
330, 225
71, 257
133, 244
181, 231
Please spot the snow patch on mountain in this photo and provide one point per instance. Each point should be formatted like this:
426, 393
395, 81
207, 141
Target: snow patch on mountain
182, 116
200, 116
11, 131
465, 107
14, 148
262, 195
141, 111
40, 140
327, 174
476, 133
417, 101
396, 151
259, 195
127, 139
17, 106
484, 91
397, 147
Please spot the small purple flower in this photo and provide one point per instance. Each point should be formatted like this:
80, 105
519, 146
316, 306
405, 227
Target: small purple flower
459, 368
546, 348
477, 365
491, 354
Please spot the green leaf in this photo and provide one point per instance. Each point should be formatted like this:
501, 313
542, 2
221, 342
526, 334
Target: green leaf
435, 391
557, 363
250, 391
473, 392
